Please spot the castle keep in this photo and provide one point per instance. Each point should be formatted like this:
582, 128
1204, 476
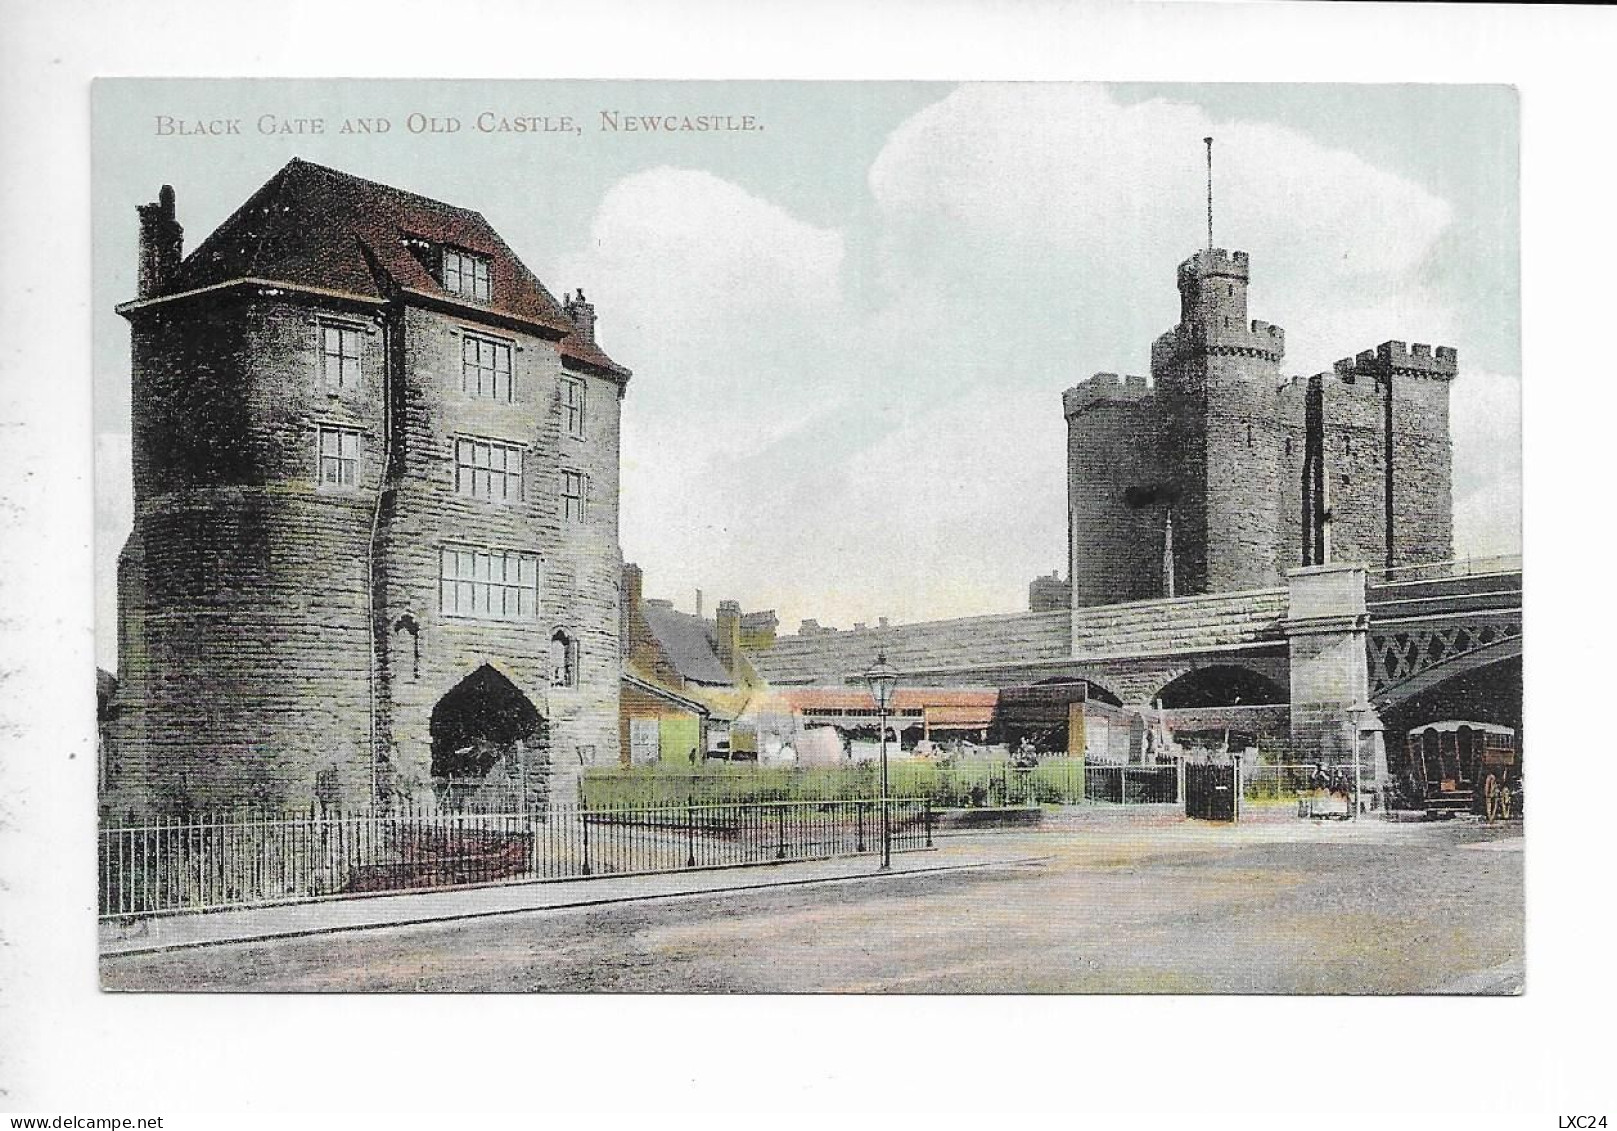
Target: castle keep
375, 546
1219, 474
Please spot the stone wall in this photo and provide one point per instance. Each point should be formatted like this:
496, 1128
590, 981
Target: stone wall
967, 642
1206, 622
579, 570
1242, 447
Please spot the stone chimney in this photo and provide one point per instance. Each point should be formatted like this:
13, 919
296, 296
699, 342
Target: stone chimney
162, 242
632, 624
728, 634
582, 312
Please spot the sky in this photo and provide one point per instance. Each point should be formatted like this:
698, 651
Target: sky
851, 328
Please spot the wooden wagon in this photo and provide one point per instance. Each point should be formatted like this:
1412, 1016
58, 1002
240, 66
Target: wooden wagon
1463, 769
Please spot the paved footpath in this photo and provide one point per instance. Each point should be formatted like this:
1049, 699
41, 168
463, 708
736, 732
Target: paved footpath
358, 913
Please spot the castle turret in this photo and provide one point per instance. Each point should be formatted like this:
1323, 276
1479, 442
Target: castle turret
1404, 463
1218, 372
1116, 491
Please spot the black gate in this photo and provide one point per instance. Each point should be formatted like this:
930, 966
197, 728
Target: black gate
1210, 792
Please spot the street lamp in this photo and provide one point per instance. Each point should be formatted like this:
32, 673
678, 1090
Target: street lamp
1361, 712
882, 680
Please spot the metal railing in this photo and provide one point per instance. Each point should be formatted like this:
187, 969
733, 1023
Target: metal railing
1439, 571
193, 864
1131, 785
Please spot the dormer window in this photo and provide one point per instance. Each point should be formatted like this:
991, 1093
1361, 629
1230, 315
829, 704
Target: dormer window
466, 275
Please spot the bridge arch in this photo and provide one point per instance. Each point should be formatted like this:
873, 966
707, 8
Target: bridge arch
1471, 688
1221, 685
1499, 651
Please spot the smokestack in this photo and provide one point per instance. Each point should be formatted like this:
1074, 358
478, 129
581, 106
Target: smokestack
698, 604
729, 633
162, 241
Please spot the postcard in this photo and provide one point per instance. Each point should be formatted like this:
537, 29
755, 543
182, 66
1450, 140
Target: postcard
780, 537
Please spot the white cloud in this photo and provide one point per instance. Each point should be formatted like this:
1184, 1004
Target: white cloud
731, 312
1485, 423
1012, 190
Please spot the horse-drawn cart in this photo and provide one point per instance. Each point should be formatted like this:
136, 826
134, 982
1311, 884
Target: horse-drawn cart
1462, 769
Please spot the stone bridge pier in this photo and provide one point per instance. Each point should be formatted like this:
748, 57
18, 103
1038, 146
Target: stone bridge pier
1327, 627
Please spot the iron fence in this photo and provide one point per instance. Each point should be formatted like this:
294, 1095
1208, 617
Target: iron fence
1444, 570
193, 864
1131, 785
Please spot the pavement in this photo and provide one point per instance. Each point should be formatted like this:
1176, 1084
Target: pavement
359, 913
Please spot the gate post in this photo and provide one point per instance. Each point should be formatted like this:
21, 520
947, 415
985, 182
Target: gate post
690, 832
1240, 790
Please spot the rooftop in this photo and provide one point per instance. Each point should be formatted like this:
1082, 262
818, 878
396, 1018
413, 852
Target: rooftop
317, 227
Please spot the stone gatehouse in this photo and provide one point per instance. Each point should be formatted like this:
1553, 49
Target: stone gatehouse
375, 544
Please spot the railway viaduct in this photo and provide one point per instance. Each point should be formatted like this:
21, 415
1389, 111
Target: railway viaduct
1338, 650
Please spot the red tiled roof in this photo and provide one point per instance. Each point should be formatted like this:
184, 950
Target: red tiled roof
318, 227
578, 352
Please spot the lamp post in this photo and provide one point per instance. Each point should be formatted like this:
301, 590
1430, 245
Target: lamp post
882, 680
1361, 714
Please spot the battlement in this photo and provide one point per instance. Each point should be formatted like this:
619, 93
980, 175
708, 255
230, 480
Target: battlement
1351, 383
1254, 339
1105, 387
1215, 261
1417, 359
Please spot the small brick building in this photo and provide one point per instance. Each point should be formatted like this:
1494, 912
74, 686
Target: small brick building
1219, 474
375, 548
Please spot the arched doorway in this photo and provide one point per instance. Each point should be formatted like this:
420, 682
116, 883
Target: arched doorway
487, 738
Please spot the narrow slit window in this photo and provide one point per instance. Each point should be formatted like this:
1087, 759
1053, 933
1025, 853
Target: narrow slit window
563, 660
